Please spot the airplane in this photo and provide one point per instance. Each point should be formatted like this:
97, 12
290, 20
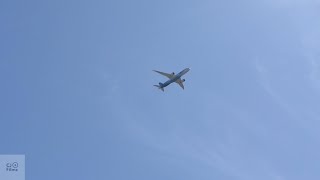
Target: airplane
172, 78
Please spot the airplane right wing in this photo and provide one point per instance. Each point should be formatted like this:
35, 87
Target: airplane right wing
180, 82
170, 76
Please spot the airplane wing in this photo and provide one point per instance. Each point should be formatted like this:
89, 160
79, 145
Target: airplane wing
165, 74
180, 82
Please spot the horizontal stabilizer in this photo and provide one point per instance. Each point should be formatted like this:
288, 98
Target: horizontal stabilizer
159, 87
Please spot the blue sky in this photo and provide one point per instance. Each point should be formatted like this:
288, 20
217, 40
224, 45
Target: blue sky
77, 95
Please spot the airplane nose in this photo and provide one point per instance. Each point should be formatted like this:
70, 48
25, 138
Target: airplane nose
186, 70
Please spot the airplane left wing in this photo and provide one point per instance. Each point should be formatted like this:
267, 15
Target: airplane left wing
170, 76
180, 82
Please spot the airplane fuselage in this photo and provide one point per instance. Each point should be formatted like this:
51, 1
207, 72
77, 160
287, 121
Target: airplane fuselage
175, 78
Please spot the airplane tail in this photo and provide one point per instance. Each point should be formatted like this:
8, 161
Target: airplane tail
159, 86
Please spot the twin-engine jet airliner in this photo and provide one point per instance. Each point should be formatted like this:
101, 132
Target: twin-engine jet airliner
172, 78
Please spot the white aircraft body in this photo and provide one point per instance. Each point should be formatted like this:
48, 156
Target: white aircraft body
172, 78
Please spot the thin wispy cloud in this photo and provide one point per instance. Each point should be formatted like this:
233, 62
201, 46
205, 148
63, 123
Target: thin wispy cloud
292, 3
264, 81
111, 82
311, 43
314, 72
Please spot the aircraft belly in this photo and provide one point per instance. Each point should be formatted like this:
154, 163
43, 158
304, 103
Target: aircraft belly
166, 83
175, 79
